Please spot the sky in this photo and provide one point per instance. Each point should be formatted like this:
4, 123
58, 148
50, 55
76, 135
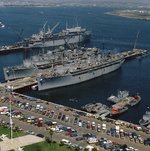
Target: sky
101, 3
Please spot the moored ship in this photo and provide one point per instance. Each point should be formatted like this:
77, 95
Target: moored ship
145, 120
78, 71
68, 36
120, 96
118, 110
123, 102
134, 100
35, 64
19, 71
48, 39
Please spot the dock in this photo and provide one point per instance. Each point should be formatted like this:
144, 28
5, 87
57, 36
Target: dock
132, 54
12, 49
22, 83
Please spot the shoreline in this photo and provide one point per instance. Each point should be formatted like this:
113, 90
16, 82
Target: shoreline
132, 14
68, 109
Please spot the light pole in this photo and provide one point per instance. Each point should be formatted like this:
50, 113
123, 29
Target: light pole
10, 90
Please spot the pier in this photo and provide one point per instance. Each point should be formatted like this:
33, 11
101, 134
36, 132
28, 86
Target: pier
20, 84
13, 49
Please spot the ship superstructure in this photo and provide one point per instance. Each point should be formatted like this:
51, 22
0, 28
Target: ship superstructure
49, 39
34, 65
78, 71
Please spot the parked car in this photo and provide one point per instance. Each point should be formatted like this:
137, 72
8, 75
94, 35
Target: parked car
65, 142
59, 115
75, 120
92, 140
88, 135
63, 117
147, 141
80, 123
88, 125
40, 135
79, 138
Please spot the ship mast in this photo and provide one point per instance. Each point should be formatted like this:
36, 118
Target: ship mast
136, 40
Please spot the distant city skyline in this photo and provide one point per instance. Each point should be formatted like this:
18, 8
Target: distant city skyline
99, 3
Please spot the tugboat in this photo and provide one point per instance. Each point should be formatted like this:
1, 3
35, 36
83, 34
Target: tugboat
134, 100
120, 96
116, 110
145, 120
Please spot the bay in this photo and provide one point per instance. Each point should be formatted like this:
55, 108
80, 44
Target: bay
108, 32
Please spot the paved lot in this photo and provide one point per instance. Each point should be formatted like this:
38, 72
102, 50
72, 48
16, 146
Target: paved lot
15, 143
81, 130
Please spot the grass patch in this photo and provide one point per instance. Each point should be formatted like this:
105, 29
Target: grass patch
44, 146
6, 131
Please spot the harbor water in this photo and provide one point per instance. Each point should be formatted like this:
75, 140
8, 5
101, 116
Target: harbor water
108, 33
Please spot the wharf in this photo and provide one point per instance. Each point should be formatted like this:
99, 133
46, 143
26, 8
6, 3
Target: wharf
11, 49
132, 54
19, 84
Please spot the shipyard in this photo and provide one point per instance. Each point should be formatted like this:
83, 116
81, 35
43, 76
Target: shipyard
74, 83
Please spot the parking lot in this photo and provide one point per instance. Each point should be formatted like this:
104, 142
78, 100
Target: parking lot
39, 116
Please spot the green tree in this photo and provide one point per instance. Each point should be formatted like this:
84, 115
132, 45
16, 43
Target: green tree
51, 132
86, 149
94, 149
16, 128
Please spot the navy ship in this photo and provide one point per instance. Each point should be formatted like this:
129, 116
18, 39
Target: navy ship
78, 71
36, 64
20, 71
49, 39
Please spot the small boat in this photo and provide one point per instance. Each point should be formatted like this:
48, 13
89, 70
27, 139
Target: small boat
145, 120
105, 113
118, 110
34, 87
120, 96
2, 25
134, 100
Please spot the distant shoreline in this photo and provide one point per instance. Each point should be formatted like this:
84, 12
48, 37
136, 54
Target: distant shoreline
132, 14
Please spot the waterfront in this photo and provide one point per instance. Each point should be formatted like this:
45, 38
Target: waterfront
115, 32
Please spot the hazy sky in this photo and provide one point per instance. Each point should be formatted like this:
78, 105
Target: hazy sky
126, 3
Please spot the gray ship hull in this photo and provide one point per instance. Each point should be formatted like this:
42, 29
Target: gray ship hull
61, 81
11, 73
74, 39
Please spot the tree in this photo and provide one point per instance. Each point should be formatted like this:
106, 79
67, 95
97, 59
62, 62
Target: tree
16, 128
51, 132
86, 149
94, 149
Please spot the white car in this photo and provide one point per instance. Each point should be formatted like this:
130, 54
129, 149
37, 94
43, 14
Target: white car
92, 140
80, 123
66, 142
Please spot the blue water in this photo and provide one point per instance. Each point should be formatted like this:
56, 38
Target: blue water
110, 32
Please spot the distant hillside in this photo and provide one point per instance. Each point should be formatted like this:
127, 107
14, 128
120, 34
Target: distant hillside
99, 3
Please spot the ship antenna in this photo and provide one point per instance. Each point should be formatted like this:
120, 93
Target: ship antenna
136, 40
77, 21
66, 24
